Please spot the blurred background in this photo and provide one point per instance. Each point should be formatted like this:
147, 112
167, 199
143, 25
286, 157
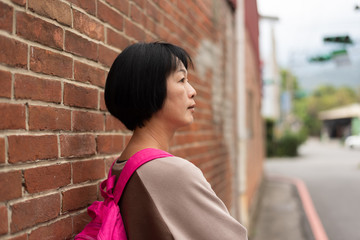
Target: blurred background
310, 52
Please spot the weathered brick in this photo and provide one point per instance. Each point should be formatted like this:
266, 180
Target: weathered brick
80, 221
77, 198
88, 5
28, 87
110, 16
30, 148
10, 185
116, 39
3, 220
87, 121
5, 83
78, 96
61, 229
88, 26
38, 30
2, 150
13, 53
19, 2
87, 73
80, 46
12, 116
113, 124
88, 170
110, 143
45, 61
77, 145
49, 118
107, 55
122, 6
50, 177
6, 19
54, 9
36, 210
134, 31
102, 102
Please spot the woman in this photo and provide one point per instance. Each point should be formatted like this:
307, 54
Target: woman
147, 89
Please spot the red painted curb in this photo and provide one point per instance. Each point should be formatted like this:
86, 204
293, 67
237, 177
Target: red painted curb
310, 211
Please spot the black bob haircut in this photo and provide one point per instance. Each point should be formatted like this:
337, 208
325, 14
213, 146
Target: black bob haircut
136, 84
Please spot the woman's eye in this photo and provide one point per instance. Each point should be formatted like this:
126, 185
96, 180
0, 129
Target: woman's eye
182, 80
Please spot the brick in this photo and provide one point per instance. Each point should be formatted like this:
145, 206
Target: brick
10, 185
5, 83
45, 178
88, 26
78, 96
77, 198
36, 210
54, 9
38, 30
80, 221
107, 55
61, 229
19, 2
87, 73
20, 237
122, 6
110, 16
88, 170
87, 121
13, 53
116, 39
134, 31
88, 5
110, 143
137, 15
49, 118
3, 220
102, 102
80, 46
28, 87
153, 12
2, 150
113, 124
77, 145
12, 116
140, 3
51, 63
30, 148
6, 17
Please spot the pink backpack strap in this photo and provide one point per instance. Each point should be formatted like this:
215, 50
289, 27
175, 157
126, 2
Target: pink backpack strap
133, 163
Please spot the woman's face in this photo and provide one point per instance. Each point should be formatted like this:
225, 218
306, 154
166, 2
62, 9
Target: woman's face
179, 104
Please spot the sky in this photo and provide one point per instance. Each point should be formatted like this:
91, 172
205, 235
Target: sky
299, 34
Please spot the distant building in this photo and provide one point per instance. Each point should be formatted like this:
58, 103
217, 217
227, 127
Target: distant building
341, 122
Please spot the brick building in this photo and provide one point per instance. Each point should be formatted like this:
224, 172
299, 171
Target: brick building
56, 138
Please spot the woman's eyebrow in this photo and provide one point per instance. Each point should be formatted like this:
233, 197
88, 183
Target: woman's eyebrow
182, 70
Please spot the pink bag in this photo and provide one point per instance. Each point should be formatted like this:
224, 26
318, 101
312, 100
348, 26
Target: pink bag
106, 223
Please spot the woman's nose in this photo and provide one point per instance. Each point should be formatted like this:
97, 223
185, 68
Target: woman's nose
191, 91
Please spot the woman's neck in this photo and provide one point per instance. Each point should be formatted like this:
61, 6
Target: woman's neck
149, 136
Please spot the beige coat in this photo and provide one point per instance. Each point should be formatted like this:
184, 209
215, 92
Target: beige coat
169, 198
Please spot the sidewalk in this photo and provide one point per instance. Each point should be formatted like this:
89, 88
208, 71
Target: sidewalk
280, 214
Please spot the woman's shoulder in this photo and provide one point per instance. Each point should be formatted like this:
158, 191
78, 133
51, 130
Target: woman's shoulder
170, 170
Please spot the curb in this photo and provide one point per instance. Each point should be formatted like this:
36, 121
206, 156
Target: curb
307, 203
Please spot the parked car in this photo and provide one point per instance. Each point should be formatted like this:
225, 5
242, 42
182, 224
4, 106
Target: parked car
353, 141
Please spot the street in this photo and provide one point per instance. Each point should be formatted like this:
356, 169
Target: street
331, 173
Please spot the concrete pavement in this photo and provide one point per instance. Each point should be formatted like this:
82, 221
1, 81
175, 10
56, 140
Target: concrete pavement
281, 214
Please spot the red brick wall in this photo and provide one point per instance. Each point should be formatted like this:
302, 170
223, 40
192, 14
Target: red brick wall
56, 138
